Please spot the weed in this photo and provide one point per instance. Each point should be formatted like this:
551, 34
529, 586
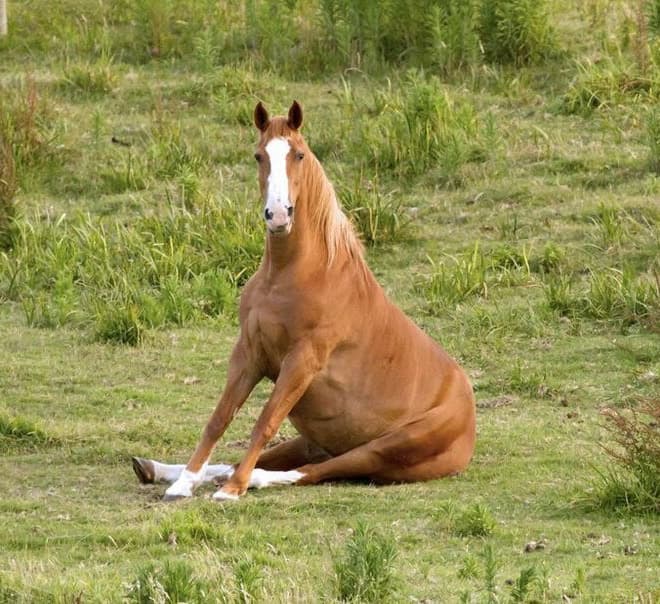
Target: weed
173, 582
422, 127
551, 259
454, 41
8, 187
603, 84
524, 584
452, 283
365, 570
611, 295
516, 31
527, 587
476, 521
378, 216
248, 578
527, 382
124, 279
90, 79
610, 225
634, 482
26, 129
653, 138
17, 432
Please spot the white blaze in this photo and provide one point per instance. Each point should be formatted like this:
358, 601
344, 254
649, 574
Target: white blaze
277, 194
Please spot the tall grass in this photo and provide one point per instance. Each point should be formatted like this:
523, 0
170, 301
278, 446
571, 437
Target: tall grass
419, 127
516, 31
319, 36
379, 217
607, 294
121, 280
8, 187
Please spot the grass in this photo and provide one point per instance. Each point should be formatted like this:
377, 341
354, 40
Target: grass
504, 208
365, 570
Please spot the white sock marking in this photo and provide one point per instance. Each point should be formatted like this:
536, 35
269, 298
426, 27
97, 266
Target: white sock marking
170, 472
186, 483
260, 479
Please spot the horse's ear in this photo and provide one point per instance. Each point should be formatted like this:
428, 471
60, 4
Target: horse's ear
261, 119
295, 118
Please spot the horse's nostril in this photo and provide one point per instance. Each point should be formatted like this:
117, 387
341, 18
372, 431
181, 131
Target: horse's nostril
289, 210
268, 214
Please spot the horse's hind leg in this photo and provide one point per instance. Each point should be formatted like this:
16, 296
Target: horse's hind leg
436, 444
291, 454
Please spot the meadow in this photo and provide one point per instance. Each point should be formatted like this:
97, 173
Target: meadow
501, 161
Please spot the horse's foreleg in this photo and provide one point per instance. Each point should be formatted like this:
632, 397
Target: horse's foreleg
296, 372
241, 379
149, 471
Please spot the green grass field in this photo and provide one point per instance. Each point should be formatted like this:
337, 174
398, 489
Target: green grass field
507, 188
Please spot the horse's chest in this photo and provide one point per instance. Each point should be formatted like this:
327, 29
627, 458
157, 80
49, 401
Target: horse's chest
269, 338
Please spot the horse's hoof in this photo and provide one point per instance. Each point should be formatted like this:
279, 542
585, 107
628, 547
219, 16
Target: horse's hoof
220, 495
144, 470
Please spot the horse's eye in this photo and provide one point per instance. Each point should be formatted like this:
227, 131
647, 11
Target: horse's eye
258, 157
300, 155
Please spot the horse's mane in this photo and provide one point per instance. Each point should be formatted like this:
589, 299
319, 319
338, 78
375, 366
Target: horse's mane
328, 218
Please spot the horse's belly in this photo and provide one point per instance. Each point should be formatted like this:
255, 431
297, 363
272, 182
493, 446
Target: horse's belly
338, 420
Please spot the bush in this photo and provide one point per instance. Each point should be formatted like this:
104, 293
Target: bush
634, 482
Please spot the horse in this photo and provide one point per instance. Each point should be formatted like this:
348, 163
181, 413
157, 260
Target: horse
371, 396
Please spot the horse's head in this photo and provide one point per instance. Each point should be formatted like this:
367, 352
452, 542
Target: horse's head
281, 156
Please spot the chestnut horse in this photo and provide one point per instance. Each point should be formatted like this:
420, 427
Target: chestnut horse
370, 394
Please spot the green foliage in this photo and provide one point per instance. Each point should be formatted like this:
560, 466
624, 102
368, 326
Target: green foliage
451, 284
174, 581
89, 79
653, 138
603, 84
475, 521
248, 579
365, 570
527, 587
8, 187
378, 216
610, 294
420, 127
123, 279
18, 432
28, 140
610, 224
454, 42
633, 483
516, 31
